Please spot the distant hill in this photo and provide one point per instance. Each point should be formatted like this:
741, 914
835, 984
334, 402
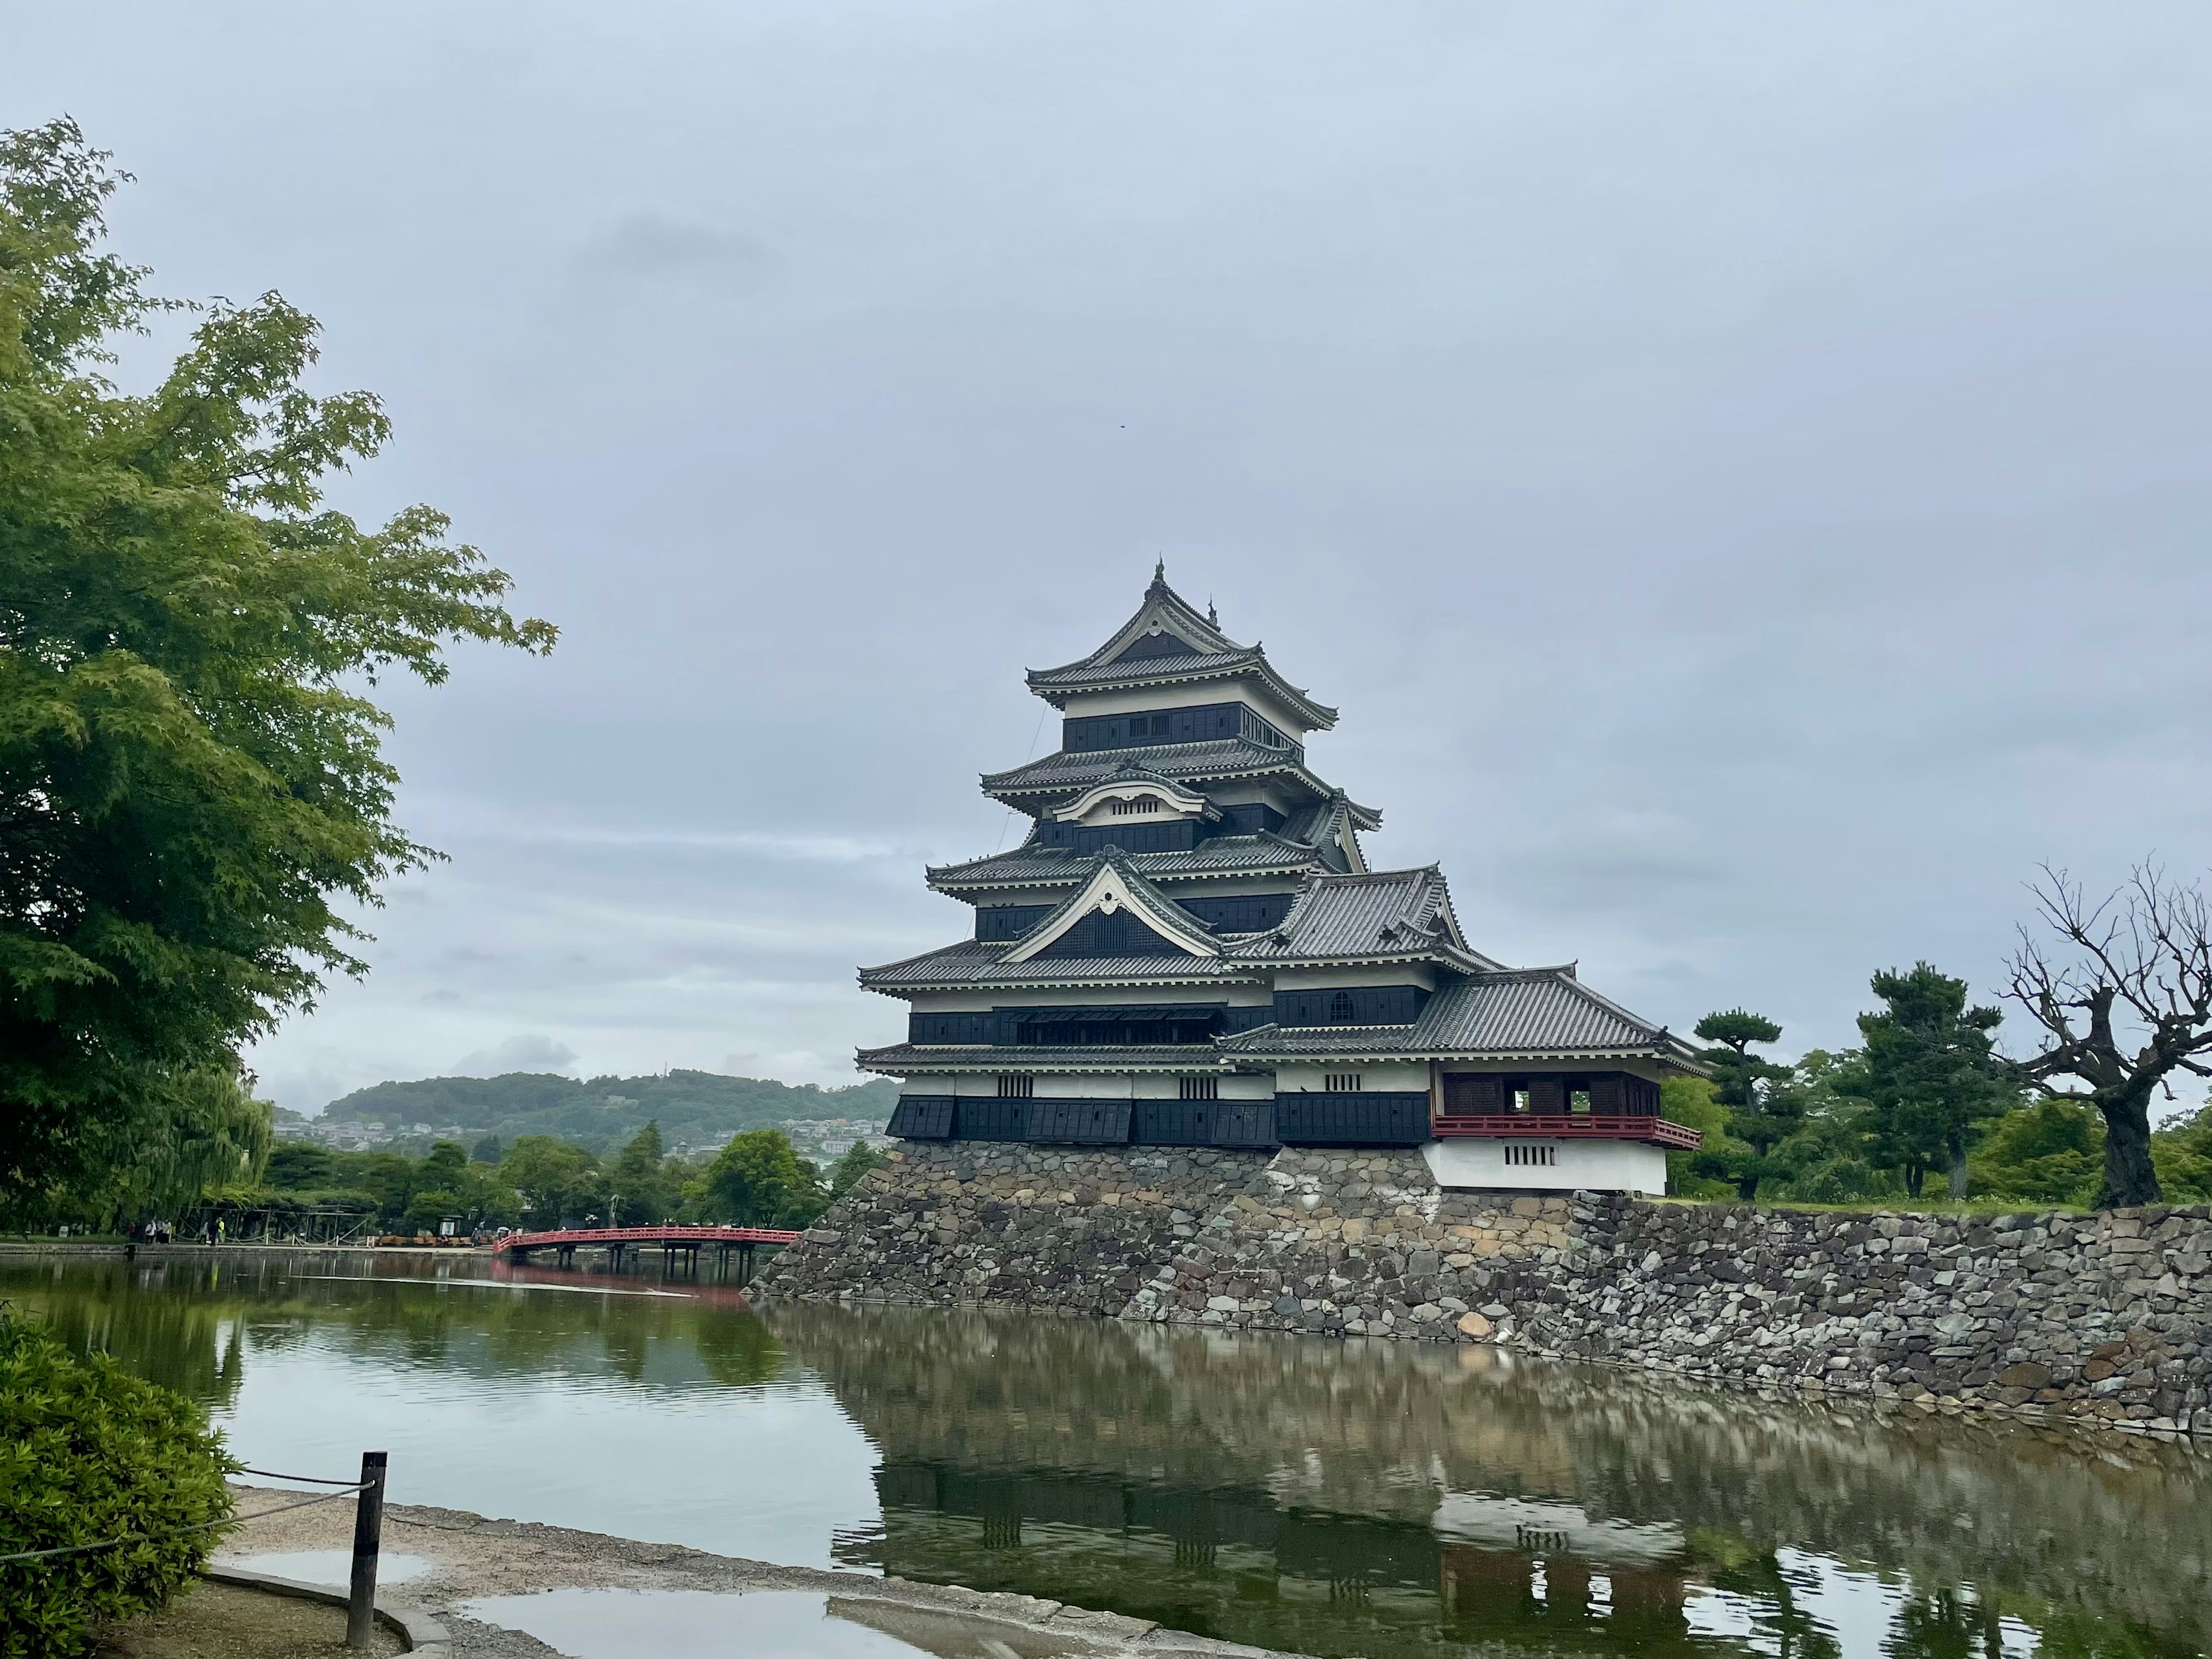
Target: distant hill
693, 1108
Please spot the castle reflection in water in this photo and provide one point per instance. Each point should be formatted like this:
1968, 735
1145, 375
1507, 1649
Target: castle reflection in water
1384, 1498
1370, 1497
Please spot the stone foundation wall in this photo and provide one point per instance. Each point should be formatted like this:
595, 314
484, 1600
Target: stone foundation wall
1064, 1230
2106, 1318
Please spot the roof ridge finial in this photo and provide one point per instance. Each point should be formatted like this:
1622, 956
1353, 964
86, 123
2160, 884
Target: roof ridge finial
1213, 618
1160, 569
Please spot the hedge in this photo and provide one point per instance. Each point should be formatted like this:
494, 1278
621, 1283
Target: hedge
88, 1452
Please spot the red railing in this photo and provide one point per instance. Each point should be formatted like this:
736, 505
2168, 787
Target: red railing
1572, 1126
517, 1241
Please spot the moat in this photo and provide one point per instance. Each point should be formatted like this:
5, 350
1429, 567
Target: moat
1337, 1498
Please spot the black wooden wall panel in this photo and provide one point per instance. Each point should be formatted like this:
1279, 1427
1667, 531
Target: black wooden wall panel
1166, 836
1249, 819
992, 1120
1208, 722
1363, 1005
996, 922
1203, 1123
1244, 913
1124, 934
1080, 1123
1372, 1118
1119, 1025
922, 1117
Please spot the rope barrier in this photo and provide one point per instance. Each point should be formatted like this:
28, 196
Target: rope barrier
179, 1532
316, 1479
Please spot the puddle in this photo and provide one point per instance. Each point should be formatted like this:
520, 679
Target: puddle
613, 1624
328, 1566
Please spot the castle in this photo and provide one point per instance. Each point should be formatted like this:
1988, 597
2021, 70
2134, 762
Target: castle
1190, 949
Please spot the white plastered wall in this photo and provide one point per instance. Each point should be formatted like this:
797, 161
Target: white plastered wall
1089, 1086
1111, 996
1375, 1076
1595, 1166
1329, 979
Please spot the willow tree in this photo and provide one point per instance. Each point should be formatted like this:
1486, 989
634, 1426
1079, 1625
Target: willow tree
191, 776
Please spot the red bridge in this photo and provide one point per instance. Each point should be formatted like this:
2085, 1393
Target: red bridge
673, 1241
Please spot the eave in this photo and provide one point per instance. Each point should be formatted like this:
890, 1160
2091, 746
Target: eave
911, 1059
1317, 716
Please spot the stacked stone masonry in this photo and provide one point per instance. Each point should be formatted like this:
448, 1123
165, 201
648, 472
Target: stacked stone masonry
2104, 1318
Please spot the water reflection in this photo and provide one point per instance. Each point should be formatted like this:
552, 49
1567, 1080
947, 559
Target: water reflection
1328, 1497
1380, 1497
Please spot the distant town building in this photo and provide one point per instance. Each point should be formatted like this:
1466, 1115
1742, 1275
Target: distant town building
1188, 949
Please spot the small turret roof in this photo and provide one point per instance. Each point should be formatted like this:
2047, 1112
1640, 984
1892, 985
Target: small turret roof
1069, 772
1532, 1012
1297, 847
1382, 914
1168, 640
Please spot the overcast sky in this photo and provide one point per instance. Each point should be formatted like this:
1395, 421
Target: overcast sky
1743, 472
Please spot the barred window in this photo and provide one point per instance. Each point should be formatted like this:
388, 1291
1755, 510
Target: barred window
1201, 1088
1130, 808
1526, 1156
1016, 1088
1340, 1007
1341, 1082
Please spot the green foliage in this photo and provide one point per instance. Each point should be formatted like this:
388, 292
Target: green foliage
296, 1166
1759, 1117
644, 1185
192, 783
404, 1194
1693, 1100
88, 1453
554, 1182
486, 1150
694, 1109
1928, 1075
2182, 1153
860, 1158
2049, 1152
758, 1180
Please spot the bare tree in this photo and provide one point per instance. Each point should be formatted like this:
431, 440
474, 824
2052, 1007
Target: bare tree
2133, 969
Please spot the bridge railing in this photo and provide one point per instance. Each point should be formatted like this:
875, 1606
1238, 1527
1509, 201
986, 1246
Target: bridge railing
669, 1235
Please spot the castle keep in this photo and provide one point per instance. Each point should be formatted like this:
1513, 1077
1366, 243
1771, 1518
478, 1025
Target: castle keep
1188, 949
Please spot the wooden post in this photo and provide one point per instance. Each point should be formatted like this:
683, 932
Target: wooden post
367, 1532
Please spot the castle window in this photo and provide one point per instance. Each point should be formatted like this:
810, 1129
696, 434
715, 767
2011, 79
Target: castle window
1016, 1088
1339, 1008
1200, 1088
1578, 1100
1521, 1100
1130, 808
1341, 1082
1527, 1157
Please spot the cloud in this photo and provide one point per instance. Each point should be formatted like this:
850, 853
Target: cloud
647, 247
516, 1053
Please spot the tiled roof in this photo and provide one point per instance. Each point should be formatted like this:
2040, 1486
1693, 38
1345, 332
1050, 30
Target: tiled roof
1165, 621
1037, 866
1158, 912
905, 1057
1063, 770
1088, 673
1386, 913
1533, 1012
973, 962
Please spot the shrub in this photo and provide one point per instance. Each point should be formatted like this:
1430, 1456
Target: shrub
89, 1452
